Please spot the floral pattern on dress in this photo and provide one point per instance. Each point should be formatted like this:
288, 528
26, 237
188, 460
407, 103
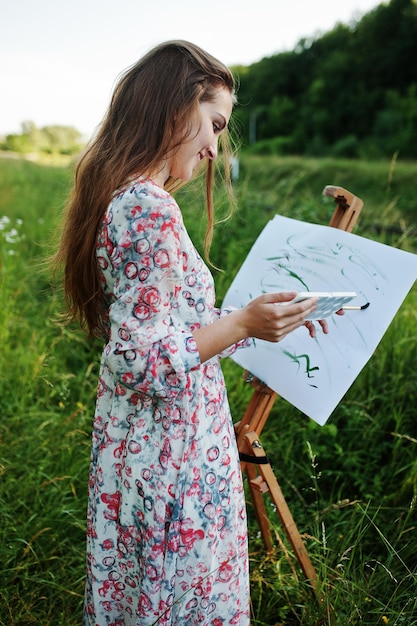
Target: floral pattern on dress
166, 522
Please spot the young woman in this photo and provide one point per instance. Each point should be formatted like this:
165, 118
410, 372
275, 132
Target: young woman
167, 539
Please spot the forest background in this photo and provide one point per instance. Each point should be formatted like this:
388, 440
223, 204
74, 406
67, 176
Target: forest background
351, 92
352, 484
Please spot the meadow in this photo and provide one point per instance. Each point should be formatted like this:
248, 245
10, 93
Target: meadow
351, 484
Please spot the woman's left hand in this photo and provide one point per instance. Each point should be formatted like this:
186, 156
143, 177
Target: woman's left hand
323, 323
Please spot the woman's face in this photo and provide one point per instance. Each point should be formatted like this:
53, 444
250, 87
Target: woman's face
209, 121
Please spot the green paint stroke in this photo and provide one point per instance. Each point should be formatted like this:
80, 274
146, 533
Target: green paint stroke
299, 358
280, 266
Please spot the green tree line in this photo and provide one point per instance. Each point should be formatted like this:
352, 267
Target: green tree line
350, 92
52, 139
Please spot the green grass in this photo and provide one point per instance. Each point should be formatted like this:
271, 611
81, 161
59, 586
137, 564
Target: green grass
351, 485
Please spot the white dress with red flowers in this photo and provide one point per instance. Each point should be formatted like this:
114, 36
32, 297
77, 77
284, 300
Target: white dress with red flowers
167, 537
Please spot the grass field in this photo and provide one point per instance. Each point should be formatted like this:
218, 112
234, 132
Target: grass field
351, 485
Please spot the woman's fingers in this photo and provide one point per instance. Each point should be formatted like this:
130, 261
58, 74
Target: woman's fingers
273, 316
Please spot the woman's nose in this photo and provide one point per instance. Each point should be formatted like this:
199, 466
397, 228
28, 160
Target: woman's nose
211, 152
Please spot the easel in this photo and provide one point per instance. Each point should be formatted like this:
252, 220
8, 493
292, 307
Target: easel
254, 461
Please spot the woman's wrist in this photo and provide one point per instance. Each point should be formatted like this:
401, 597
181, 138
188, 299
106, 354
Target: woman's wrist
213, 339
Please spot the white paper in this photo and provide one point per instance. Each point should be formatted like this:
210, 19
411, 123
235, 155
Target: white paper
290, 255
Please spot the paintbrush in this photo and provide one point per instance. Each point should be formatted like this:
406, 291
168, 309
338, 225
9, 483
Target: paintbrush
356, 308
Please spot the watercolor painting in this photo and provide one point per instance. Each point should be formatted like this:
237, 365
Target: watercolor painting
290, 255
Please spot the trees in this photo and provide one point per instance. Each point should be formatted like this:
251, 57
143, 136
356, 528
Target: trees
350, 91
49, 139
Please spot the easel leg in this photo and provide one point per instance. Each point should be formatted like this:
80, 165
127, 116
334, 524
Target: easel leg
267, 481
259, 504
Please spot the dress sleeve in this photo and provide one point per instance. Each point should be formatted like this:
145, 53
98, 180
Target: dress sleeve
244, 343
146, 351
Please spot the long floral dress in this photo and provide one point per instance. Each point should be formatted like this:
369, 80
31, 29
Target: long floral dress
166, 524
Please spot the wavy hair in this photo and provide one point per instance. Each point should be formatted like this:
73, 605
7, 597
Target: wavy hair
148, 117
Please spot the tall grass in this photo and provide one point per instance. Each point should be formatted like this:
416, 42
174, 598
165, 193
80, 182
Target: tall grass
351, 485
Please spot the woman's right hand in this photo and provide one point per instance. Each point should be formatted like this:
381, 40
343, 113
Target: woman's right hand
268, 317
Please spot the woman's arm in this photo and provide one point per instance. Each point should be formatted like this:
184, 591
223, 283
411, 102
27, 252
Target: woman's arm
261, 318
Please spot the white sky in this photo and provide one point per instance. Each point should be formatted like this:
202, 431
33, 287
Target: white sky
59, 60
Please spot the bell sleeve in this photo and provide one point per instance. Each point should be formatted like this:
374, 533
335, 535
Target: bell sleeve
146, 350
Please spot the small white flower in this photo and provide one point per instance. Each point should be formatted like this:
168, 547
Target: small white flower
11, 236
4, 221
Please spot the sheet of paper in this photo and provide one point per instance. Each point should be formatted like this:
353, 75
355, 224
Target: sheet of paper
290, 255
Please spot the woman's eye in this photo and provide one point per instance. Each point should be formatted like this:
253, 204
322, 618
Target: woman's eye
218, 127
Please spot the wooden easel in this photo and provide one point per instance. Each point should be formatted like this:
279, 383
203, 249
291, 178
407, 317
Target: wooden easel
254, 461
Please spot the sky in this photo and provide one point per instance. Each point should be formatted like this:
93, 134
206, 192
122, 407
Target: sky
59, 60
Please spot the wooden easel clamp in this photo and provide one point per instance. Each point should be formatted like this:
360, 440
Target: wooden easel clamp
254, 460
348, 207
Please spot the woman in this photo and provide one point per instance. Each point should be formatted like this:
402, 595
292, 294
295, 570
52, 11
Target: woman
167, 539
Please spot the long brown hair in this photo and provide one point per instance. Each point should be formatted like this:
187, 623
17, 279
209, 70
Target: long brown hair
148, 117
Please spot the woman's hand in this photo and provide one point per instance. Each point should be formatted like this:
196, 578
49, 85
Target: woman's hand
323, 323
271, 317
